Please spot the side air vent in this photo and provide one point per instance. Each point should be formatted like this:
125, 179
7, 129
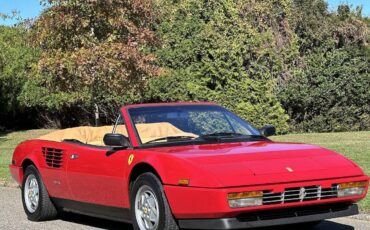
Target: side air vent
53, 157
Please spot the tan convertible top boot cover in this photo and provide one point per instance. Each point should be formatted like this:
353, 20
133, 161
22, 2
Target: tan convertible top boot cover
94, 135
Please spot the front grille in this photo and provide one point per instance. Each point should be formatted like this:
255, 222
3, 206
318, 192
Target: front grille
300, 194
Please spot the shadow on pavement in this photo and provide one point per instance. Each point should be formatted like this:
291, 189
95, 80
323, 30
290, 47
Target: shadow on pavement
94, 222
324, 225
106, 224
327, 225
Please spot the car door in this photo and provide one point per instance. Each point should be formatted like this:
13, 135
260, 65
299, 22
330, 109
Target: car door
97, 174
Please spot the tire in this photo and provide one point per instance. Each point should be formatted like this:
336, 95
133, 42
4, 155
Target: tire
149, 186
37, 204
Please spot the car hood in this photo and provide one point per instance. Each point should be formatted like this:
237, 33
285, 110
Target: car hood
255, 163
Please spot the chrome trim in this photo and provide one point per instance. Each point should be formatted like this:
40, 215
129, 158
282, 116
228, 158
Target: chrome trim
300, 194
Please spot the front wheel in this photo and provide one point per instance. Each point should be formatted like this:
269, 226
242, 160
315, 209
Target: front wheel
149, 206
35, 198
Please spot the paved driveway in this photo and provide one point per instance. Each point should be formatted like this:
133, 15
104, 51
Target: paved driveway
12, 216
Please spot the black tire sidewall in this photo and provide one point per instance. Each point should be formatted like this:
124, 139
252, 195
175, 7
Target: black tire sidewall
153, 182
31, 170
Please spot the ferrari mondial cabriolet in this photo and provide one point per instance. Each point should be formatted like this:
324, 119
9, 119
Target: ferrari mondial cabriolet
184, 165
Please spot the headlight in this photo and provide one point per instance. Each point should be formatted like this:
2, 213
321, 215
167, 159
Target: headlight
245, 199
352, 188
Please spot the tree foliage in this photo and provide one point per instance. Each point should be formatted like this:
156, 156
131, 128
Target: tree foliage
329, 87
219, 51
16, 58
290, 63
93, 55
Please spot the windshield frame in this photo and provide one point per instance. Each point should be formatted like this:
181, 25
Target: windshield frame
196, 141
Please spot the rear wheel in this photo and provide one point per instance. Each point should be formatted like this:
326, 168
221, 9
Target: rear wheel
149, 206
35, 198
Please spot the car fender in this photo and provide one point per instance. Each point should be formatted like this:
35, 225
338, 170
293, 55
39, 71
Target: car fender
171, 169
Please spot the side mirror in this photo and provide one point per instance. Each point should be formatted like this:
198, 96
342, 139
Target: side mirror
268, 130
117, 140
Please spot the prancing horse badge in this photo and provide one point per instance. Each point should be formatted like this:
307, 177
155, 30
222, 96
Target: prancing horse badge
130, 159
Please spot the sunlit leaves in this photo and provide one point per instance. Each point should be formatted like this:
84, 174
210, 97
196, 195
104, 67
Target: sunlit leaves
92, 50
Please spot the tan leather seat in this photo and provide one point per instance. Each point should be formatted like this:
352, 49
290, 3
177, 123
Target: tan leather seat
152, 131
94, 135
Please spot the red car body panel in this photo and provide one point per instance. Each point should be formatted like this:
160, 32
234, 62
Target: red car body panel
250, 163
214, 170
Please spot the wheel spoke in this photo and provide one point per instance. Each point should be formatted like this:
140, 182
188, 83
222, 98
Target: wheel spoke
142, 202
153, 216
151, 202
149, 223
34, 204
140, 213
145, 222
155, 211
34, 183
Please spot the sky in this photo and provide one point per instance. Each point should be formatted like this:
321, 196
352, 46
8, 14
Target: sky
32, 8
364, 3
25, 8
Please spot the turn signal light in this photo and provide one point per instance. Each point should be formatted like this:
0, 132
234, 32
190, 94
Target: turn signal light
243, 195
183, 182
245, 199
352, 188
353, 184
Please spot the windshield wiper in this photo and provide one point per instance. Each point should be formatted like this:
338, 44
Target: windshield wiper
171, 138
222, 135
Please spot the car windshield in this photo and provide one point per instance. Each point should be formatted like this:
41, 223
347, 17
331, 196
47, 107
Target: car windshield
189, 123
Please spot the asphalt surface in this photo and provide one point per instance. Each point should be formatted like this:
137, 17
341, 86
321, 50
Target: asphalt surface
12, 217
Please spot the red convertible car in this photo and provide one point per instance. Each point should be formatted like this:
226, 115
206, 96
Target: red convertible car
184, 165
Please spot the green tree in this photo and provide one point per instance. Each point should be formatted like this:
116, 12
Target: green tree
16, 58
273, 61
329, 85
331, 93
93, 56
219, 51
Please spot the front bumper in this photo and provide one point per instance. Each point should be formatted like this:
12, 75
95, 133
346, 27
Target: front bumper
17, 173
211, 203
275, 218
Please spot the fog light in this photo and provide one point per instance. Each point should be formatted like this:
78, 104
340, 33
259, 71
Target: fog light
245, 199
352, 188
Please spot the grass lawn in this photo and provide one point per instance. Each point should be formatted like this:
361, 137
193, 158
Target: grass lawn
8, 141
354, 145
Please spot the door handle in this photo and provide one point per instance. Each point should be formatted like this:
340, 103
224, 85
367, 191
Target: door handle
74, 156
